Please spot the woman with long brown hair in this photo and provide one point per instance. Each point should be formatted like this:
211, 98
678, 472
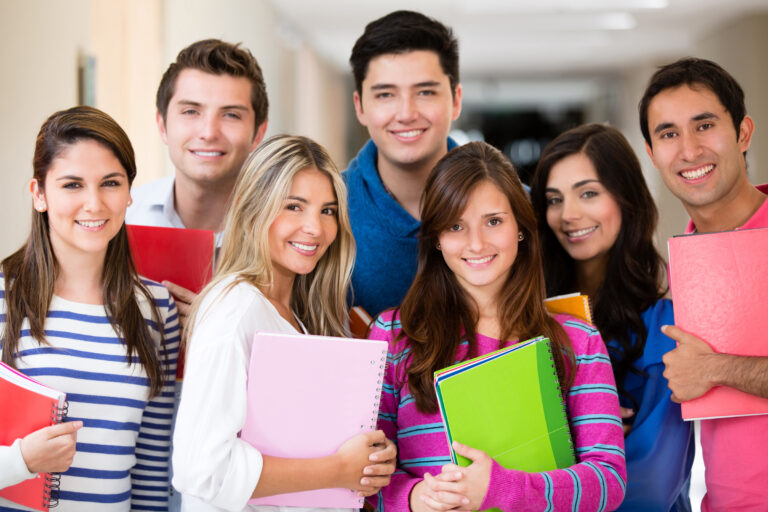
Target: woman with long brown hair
479, 287
597, 220
78, 318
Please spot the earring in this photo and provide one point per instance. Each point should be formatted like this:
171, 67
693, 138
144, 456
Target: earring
438, 247
41, 207
130, 201
520, 236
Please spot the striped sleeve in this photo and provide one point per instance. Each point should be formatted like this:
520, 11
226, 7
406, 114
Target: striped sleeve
395, 496
598, 481
149, 477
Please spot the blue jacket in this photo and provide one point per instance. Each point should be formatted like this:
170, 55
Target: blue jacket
660, 446
386, 236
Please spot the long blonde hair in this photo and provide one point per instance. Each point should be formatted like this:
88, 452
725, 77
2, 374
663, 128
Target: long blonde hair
319, 297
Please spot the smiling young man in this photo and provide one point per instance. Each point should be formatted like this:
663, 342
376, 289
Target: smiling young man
407, 93
694, 121
211, 112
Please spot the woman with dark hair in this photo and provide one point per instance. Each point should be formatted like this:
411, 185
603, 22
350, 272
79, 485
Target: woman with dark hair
596, 222
479, 287
78, 318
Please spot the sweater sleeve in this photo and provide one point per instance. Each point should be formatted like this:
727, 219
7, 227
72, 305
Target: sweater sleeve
396, 495
149, 477
13, 469
660, 446
597, 481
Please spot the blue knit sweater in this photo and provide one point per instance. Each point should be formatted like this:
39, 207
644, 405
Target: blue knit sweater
386, 236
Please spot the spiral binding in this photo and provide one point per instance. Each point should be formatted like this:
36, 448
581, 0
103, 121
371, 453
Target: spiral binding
53, 480
379, 384
548, 344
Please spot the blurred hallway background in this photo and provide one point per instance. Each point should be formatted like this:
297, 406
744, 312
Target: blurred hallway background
530, 69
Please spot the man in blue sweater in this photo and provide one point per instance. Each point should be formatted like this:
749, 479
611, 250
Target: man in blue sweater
407, 93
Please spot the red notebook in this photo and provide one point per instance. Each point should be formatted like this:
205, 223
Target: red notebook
181, 256
25, 406
719, 284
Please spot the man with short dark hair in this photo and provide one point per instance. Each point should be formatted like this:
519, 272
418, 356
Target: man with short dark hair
407, 93
212, 112
696, 130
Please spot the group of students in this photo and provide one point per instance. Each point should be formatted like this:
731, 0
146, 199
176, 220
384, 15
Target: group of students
451, 250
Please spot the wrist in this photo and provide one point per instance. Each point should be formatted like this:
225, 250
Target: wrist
716, 369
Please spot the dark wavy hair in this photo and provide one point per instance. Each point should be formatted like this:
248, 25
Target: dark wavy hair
436, 313
634, 272
30, 272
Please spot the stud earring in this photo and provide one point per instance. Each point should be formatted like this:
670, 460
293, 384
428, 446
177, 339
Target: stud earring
438, 247
520, 236
130, 201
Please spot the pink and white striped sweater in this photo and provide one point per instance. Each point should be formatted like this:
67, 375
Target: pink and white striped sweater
596, 482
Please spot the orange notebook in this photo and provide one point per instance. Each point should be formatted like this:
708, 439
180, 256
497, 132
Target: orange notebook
573, 304
25, 406
181, 256
719, 284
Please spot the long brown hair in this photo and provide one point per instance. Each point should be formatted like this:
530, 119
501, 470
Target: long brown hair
30, 272
437, 314
634, 273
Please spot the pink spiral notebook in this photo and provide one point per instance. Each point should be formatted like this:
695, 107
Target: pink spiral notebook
306, 396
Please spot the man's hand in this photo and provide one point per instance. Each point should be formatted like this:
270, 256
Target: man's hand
689, 367
183, 298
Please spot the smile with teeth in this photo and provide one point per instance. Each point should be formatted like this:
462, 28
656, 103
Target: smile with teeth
304, 247
479, 261
697, 173
409, 133
580, 232
208, 153
91, 223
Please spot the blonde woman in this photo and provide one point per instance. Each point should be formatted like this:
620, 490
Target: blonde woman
284, 266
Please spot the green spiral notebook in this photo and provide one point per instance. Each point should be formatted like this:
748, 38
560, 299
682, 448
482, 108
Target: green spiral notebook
508, 404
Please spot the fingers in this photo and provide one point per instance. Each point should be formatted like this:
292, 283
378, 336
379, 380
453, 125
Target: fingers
443, 495
678, 334
468, 452
376, 437
61, 429
387, 453
180, 293
380, 469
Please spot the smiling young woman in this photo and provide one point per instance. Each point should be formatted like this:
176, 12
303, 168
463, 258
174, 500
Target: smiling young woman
597, 220
479, 287
78, 318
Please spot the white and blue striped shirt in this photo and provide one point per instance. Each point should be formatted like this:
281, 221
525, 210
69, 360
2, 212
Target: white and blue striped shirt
121, 460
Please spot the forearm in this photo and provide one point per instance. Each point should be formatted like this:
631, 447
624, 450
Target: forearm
745, 373
279, 475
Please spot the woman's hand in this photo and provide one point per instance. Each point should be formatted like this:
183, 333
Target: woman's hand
354, 457
50, 449
378, 474
476, 476
444, 492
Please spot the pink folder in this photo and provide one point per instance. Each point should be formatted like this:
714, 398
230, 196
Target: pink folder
719, 284
306, 396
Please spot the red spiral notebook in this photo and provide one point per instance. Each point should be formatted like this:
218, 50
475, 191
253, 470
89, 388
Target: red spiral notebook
719, 284
181, 256
25, 406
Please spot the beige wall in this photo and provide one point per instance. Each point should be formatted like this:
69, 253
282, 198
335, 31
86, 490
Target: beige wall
133, 41
41, 42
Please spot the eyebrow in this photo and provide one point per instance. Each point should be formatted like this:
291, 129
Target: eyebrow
575, 185
72, 177
428, 83
304, 201
494, 214
190, 103
699, 117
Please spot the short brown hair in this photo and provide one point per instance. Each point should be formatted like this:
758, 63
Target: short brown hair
216, 57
